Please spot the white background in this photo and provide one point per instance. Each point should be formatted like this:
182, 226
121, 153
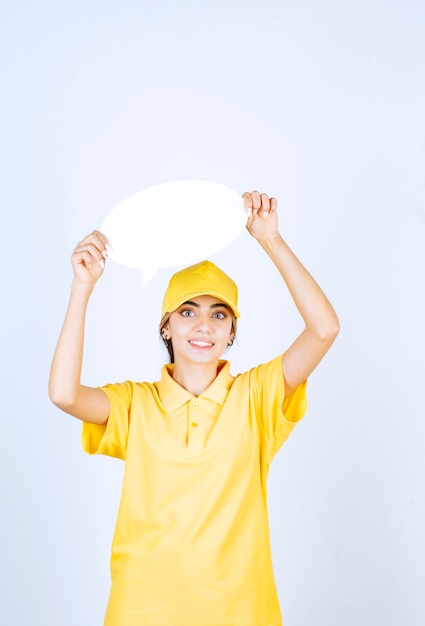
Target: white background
318, 103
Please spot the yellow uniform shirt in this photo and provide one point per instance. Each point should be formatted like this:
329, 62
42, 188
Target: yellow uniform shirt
191, 545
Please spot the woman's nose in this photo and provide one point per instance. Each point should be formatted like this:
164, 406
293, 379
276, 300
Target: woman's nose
203, 323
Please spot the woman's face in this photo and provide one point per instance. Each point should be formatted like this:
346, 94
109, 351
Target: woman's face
200, 329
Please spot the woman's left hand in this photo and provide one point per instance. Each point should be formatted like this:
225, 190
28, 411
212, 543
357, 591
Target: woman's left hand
262, 214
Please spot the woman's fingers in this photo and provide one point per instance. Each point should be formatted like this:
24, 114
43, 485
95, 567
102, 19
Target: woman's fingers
248, 203
91, 250
262, 214
265, 203
97, 239
258, 203
86, 258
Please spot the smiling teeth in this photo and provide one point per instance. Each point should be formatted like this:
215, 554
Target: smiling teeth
201, 344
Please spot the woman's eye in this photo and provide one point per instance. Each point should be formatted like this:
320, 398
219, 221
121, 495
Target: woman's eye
187, 313
219, 315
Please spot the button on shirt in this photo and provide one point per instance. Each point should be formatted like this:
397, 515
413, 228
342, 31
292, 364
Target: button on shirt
191, 545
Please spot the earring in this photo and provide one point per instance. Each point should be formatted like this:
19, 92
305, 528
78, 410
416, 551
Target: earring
229, 345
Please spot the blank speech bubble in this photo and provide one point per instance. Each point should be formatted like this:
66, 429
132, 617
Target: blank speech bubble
176, 223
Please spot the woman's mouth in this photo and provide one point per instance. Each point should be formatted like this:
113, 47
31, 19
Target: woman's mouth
201, 345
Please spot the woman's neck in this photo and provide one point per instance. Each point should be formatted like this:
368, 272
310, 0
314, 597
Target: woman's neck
195, 377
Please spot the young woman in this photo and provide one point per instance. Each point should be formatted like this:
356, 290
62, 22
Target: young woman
191, 545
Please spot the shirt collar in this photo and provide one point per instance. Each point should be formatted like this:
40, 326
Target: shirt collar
173, 395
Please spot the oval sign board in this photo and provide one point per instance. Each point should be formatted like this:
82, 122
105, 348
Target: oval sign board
176, 223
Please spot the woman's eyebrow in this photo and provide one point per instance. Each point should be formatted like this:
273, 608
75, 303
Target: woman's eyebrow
216, 305
191, 303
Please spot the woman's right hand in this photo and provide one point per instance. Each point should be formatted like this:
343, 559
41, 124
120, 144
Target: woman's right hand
65, 389
88, 258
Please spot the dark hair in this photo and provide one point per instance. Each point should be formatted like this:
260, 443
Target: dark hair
169, 344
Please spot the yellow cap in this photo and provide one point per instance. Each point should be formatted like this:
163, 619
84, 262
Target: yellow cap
199, 280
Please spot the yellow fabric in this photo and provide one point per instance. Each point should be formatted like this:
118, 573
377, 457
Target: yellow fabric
198, 280
191, 545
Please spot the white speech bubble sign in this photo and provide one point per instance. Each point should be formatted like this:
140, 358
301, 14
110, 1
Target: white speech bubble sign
176, 223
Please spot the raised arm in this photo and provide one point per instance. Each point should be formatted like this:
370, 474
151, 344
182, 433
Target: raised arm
321, 321
65, 389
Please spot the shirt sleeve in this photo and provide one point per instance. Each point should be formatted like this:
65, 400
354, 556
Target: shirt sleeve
111, 438
277, 415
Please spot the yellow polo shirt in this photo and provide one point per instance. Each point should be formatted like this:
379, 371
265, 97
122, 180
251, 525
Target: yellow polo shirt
191, 545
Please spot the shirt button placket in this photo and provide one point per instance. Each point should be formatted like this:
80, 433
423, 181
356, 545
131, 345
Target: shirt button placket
193, 423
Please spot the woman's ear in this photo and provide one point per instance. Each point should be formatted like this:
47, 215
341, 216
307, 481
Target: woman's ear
231, 338
165, 331
232, 332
